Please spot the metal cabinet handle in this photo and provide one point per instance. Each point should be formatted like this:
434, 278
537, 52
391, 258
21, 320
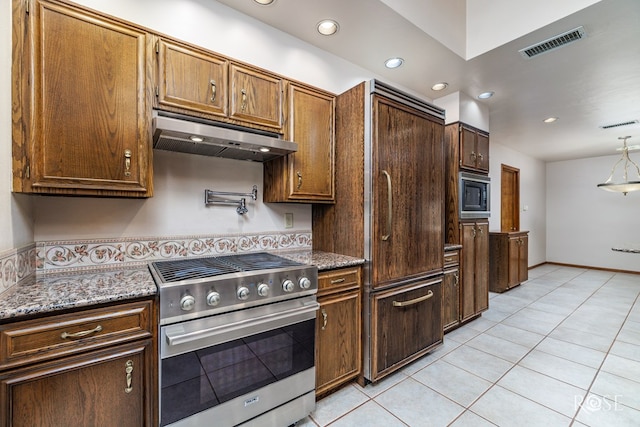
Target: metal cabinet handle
340, 280
80, 334
324, 319
127, 162
128, 369
480, 156
457, 277
473, 156
413, 301
480, 231
299, 179
474, 231
213, 90
243, 106
385, 237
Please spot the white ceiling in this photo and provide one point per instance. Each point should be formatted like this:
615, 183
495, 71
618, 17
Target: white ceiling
593, 82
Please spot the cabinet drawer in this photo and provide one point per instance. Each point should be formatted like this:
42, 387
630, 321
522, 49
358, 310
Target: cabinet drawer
338, 280
406, 322
451, 258
52, 336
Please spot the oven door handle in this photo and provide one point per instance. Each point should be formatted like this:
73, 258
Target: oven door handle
233, 330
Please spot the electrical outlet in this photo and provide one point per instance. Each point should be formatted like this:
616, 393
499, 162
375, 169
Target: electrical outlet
288, 220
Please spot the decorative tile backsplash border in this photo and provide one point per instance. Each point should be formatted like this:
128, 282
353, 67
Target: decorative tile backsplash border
16, 265
65, 256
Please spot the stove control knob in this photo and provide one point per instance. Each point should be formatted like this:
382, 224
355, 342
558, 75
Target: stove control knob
263, 289
287, 286
187, 302
243, 293
213, 298
304, 283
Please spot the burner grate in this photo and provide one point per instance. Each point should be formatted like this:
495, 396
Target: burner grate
202, 268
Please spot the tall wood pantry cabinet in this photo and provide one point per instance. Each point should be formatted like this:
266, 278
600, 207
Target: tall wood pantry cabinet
82, 107
474, 292
389, 211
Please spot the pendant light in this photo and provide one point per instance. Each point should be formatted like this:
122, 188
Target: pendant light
626, 185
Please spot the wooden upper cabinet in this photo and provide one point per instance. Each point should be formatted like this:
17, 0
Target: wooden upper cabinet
192, 80
83, 125
256, 96
474, 149
308, 174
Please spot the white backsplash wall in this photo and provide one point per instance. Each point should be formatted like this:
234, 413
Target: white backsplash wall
177, 207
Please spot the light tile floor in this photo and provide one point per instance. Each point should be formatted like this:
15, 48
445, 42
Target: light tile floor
562, 349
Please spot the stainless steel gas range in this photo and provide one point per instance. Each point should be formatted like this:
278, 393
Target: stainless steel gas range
237, 340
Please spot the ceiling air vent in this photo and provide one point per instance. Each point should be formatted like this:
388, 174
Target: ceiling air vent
616, 125
553, 43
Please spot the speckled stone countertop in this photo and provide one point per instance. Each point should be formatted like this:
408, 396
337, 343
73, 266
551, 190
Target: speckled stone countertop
633, 248
50, 293
323, 260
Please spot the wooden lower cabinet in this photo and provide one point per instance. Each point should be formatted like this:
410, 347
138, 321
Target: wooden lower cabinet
95, 367
474, 292
451, 290
94, 389
406, 322
338, 329
509, 260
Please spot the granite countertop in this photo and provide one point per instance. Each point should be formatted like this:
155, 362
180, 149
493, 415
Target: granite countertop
46, 294
49, 293
633, 248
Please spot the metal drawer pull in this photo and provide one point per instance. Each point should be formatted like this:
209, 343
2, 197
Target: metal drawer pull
127, 162
128, 370
213, 90
385, 237
243, 107
413, 301
324, 319
80, 334
299, 179
340, 280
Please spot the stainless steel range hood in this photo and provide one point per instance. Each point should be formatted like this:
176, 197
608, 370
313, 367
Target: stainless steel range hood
175, 132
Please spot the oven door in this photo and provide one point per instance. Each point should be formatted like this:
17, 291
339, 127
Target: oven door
255, 364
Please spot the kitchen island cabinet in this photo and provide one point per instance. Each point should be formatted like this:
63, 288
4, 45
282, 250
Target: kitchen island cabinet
308, 174
338, 328
91, 367
508, 260
81, 116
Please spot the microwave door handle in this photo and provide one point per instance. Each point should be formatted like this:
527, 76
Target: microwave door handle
385, 237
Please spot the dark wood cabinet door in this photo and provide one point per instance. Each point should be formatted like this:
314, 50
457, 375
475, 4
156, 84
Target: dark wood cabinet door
406, 323
514, 261
191, 80
450, 298
468, 154
482, 266
482, 152
108, 388
338, 355
408, 193
256, 97
468, 267
523, 259
90, 130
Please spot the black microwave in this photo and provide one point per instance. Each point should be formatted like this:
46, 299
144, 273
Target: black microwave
474, 195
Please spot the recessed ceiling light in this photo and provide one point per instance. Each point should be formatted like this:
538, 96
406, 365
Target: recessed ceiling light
393, 62
264, 149
264, 2
486, 95
440, 86
196, 138
550, 119
328, 27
